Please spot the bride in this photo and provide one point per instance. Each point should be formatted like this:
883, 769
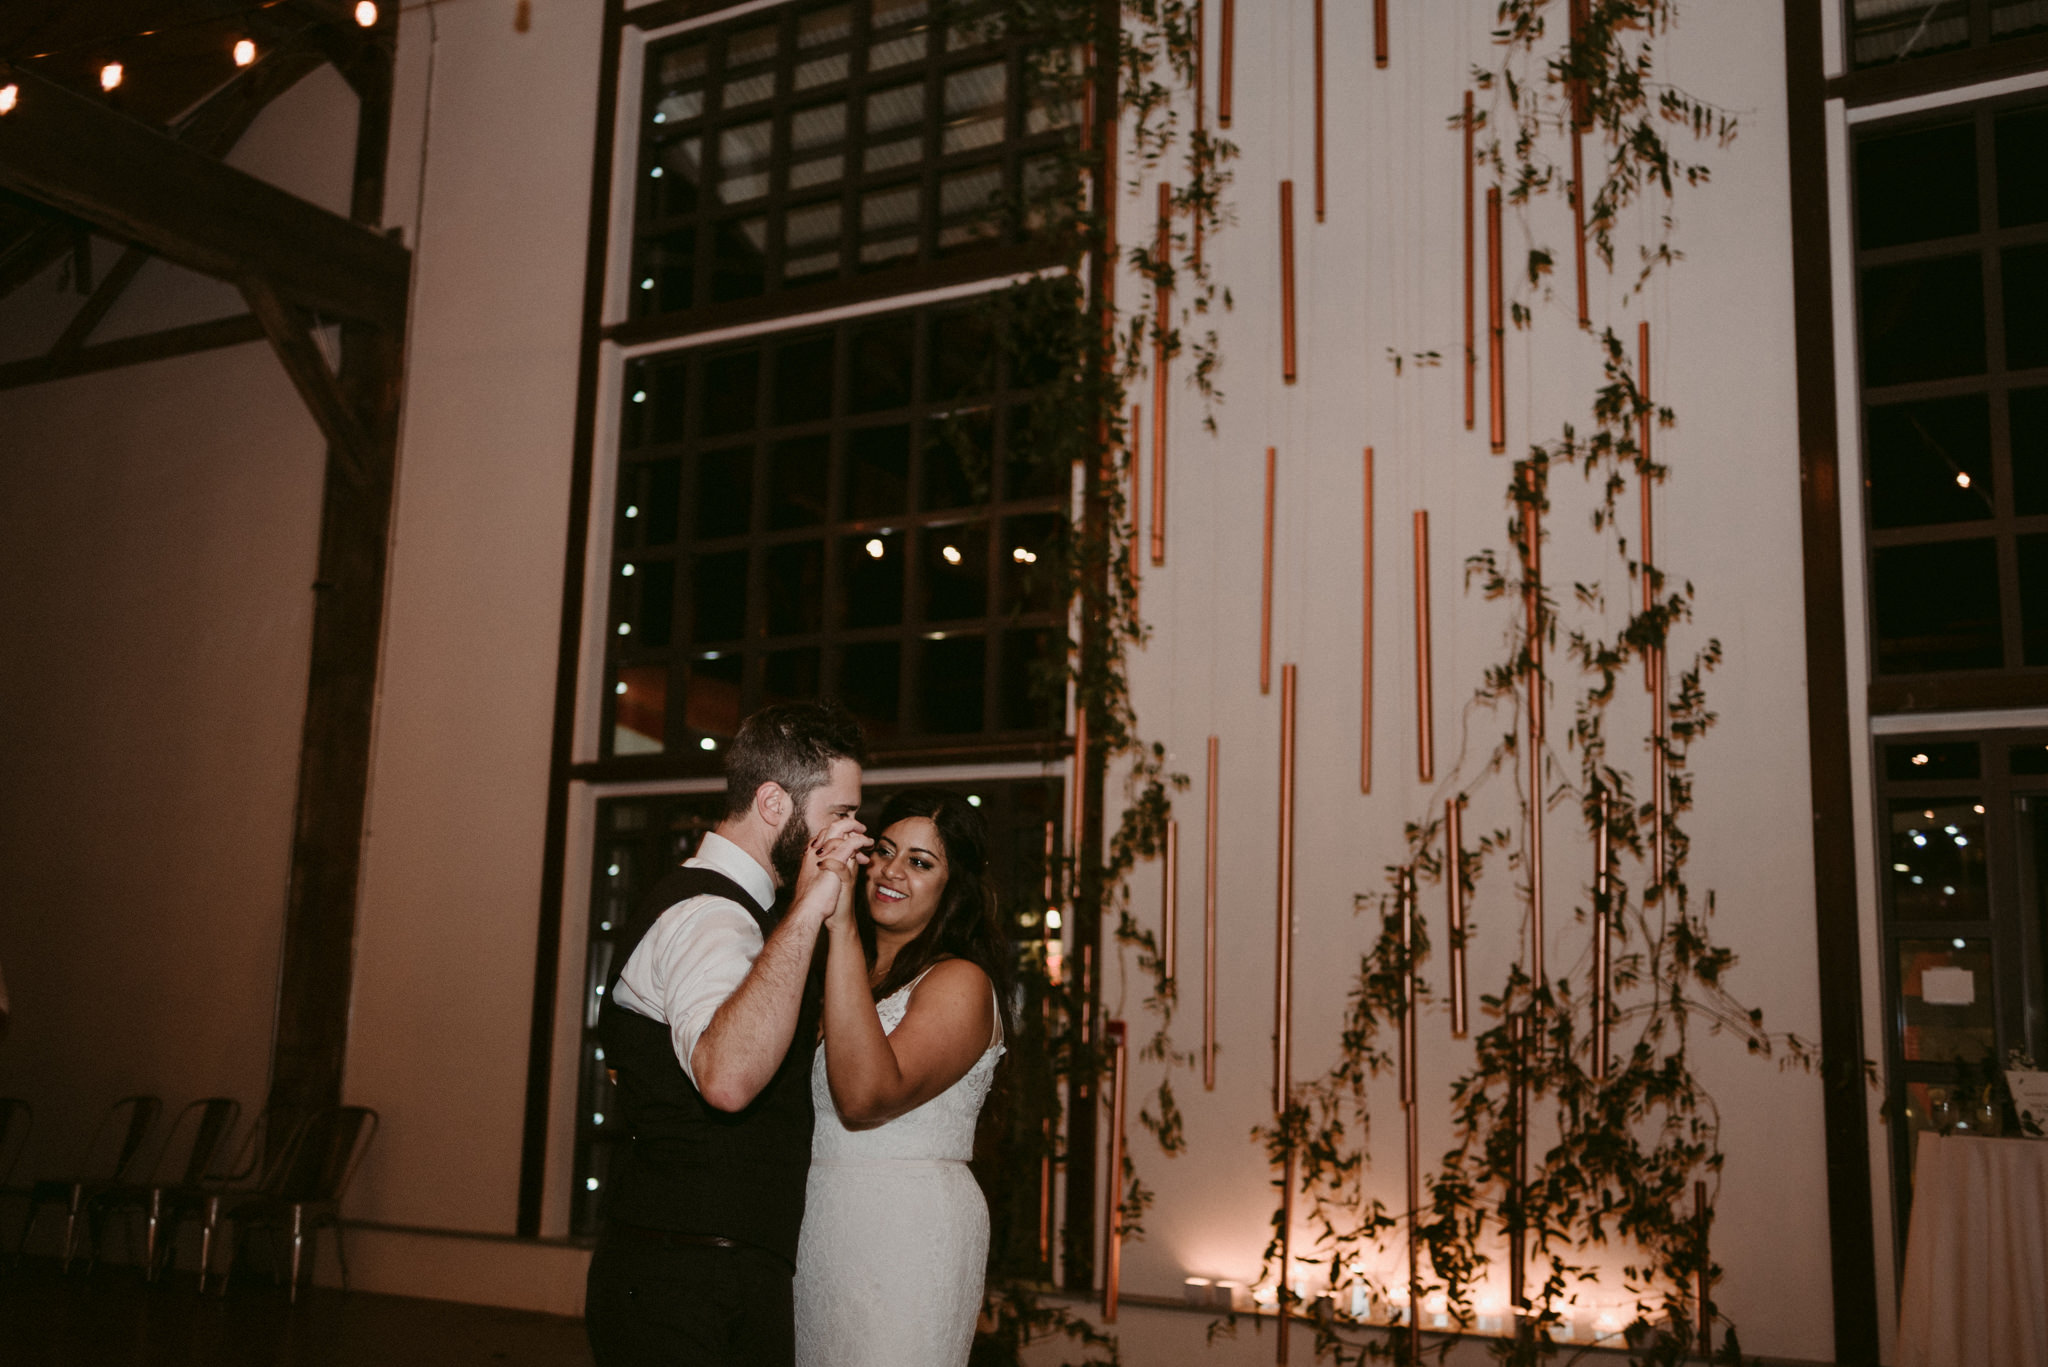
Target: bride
891, 1261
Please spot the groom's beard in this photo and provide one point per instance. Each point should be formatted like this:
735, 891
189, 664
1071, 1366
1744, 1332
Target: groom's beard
786, 856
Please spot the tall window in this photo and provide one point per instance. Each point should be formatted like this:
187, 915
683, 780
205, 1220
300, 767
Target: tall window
1952, 257
1882, 31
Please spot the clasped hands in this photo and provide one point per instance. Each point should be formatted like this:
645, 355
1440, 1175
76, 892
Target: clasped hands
832, 860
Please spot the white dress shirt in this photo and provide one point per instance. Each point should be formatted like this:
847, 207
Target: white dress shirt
697, 952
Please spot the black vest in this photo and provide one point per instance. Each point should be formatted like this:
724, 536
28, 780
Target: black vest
687, 1165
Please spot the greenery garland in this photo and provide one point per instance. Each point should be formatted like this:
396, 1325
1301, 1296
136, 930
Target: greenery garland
1623, 1152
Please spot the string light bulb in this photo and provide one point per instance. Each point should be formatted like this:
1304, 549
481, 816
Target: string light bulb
366, 14
245, 52
110, 76
10, 96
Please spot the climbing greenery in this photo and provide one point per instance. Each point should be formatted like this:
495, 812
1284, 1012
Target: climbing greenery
1596, 1163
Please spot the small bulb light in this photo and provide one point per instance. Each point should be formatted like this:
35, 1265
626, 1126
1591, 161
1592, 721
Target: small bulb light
626, 629
1052, 919
245, 52
626, 570
110, 75
366, 17
590, 1184
952, 554
974, 799
10, 96
620, 689
875, 548
1920, 758
1962, 479
632, 510
1024, 557
707, 744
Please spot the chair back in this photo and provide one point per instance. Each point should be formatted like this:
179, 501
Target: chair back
115, 1151
203, 1127
325, 1153
17, 1119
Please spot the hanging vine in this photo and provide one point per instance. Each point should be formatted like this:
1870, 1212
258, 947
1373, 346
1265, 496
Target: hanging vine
1595, 1159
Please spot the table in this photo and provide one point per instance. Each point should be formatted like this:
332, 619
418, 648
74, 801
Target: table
1975, 1291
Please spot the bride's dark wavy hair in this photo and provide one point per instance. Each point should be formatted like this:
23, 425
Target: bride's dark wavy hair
966, 925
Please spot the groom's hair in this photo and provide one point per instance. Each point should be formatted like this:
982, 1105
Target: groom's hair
791, 744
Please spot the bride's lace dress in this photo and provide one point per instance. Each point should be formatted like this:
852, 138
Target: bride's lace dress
890, 1266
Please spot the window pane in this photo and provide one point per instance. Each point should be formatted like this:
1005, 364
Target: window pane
882, 354
889, 13
2022, 141
1929, 760
711, 706
1936, 607
975, 101
957, 459
819, 126
897, 107
885, 156
823, 26
1937, 857
739, 259
2028, 412
1945, 999
1923, 320
888, 223
795, 588
969, 202
961, 354
662, 515
718, 587
823, 71
725, 492
2026, 302
1028, 556
1893, 30
639, 709
682, 175
877, 471
656, 581
680, 65
1033, 698
1031, 468
811, 249
2011, 18
668, 273
655, 392
2029, 761
956, 572
1930, 462
803, 380
893, 52
790, 676
743, 161
755, 45
951, 683
870, 684
871, 576
2033, 568
798, 472
1917, 185
730, 391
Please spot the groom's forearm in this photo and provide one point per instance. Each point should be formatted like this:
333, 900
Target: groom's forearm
751, 1032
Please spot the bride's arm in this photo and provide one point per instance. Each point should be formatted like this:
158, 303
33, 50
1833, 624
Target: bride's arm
876, 1076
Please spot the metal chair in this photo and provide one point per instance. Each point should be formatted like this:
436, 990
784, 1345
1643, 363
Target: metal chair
177, 1178
111, 1158
303, 1193
256, 1156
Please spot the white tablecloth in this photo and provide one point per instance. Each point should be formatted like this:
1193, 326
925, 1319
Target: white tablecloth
1975, 1292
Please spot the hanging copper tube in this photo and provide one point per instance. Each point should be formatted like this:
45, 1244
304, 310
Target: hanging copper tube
1578, 97
1646, 550
1454, 888
1365, 636
1319, 109
1532, 590
1074, 793
1266, 584
1169, 903
1287, 281
1471, 346
1603, 919
1518, 1038
1410, 999
1226, 39
1045, 1201
1496, 330
1162, 252
1201, 110
1209, 927
1113, 1233
1659, 786
1701, 1215
1379, 32
1135, 551
1425, 722
1283, 988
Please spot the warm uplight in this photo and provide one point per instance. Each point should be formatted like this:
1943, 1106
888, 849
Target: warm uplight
1024, 557
1978, 809
10, 96
110, 75
875, 548
366, 14
245, 52
1962, 479
952, 554
1920, 758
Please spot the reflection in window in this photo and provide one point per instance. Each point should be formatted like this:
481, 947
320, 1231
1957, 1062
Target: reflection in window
1883, 31
1930, 461
1936, 607
1937, 859
1946, 1001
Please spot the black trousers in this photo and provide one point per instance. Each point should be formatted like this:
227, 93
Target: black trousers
688, 1305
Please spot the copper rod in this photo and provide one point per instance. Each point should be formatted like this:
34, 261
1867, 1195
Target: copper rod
1201, 109
1701, 1216
1286, 1254
1226, 37
1113, 1250
1283, 989
1471, 345
1646, 551
1045, 1200
1379, 32
1496, 330
1320, 205
1410, 1113
1365, 637
1454, 888
1074, 821
1532, 591
1659, 785
1518, 1036
1169, 902
1163, 253
1425, 722
1578, 98
1135, 551
1209, 926
1603, 914
1266, 584
1287, 368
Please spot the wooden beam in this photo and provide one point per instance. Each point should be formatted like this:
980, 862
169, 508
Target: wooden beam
296, 351
151, 346
125, 178
91, 313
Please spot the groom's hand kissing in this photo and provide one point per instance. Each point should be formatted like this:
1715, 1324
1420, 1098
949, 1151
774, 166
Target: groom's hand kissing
829, 868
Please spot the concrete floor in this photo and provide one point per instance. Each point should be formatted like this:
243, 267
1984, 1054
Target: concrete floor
112, 1319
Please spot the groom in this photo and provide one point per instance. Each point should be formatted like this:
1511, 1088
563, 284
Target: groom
709, 1027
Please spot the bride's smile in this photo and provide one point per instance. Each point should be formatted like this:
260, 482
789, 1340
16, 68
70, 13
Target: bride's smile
906, 876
